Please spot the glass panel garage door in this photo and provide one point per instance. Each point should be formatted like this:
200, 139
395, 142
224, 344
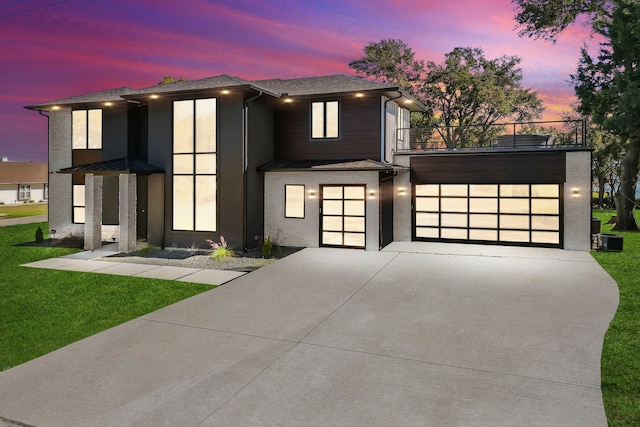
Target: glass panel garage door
342, 219
520, 214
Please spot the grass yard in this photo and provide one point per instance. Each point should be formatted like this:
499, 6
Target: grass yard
620, 362
19, 211
42, 310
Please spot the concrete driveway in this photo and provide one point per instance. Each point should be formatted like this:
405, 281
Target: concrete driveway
418, 334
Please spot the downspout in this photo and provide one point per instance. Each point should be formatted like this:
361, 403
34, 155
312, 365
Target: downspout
384, 125
245, 166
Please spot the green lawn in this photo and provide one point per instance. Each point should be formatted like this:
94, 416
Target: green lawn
27, 209
621, 351
42, 310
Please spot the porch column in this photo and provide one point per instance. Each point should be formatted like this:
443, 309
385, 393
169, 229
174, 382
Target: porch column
93, 212
127, 215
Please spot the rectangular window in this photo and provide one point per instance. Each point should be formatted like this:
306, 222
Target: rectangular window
294, 201
78, 204
46, 191
25, 192
324, 120
86, 129
194, 165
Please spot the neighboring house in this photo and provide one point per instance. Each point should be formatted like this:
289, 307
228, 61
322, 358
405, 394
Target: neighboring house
319, 161
23, 182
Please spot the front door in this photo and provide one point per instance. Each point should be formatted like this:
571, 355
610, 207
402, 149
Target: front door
342, 215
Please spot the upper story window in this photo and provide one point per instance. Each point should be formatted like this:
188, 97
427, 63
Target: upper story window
86, 129
325, 120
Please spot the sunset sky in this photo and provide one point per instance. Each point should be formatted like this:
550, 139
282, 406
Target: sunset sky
53, 49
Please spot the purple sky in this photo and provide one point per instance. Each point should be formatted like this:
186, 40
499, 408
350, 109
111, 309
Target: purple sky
53, 49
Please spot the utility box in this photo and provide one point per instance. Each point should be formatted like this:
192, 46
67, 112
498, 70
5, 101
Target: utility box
609, 242
596, 225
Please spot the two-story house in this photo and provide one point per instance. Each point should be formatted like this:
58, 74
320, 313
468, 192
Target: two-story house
319, 161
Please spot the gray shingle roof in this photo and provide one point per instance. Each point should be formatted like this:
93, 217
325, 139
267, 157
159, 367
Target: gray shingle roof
111, 95
321, 85
116, 166
23, 173
216, 82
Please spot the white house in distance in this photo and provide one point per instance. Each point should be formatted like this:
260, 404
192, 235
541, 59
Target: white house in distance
22, 182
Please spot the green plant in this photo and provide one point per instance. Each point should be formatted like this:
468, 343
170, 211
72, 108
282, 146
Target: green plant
267, 247
39, 235
220, 250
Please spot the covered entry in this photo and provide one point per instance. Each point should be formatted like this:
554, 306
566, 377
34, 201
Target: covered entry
342, 213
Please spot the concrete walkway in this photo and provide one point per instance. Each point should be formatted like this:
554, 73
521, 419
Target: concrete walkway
24, 220
418, 334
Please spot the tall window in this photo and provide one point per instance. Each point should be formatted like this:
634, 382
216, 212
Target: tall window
324, 120
194, 165
294, 201
78, 204
86, 129
25, 192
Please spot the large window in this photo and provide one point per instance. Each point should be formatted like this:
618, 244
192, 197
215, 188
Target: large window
194, 165
86, 129
294, 201
324, 120
78, 204
25, 192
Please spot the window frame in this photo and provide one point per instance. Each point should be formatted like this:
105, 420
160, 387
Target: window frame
304, 201
338, 119
87, 129
75, 205
24, 191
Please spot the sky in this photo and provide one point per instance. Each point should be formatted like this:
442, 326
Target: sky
52, 49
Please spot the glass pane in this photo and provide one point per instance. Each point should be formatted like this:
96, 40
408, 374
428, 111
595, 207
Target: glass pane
78, 215
332, 119
79, 125
205, 203
514, 236
483, 190
546, 190
354, 207
429, 204
332, 192
183, 126
427, 190
483, 205
95, 129
453, 205
521, 190
520, 222
205, 163
183, 203
545, 237
431, 233
332, 223
545, 223
329, 238
354, 193
206, 125
183, 164
453, 233
78, 195
514, 205
454, 220
353, 223
431, 219
491, 235
453, 190
354, 239
332, 207
545, 206
294, 201
317, 120
483, 221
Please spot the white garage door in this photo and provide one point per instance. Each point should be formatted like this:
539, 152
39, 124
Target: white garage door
517, 214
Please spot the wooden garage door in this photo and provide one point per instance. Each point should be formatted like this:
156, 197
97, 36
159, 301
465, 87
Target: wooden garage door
342, 215
510, 214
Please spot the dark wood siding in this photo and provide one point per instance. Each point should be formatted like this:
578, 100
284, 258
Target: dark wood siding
490, 168
360, 130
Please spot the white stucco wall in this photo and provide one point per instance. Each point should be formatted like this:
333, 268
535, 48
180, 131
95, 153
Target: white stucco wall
577, 201
306, 231
402, 202
9, 193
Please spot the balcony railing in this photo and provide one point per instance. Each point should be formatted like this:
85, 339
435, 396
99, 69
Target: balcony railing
504, 136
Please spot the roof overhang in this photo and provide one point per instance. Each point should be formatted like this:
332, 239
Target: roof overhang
329, 165
114, 167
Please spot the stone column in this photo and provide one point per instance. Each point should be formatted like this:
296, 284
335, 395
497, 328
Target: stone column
128, 199
92, 212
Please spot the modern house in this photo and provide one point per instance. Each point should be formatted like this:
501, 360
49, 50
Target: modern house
23, 182
319, 161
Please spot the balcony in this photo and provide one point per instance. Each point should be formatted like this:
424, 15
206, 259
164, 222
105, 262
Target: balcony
504, 136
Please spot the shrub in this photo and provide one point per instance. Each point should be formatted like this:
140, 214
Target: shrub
220, 250
267, 247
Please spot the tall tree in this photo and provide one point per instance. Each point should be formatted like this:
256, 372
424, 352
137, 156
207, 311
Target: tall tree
608, 86
169, 79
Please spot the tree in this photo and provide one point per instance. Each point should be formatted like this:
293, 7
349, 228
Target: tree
169, 79
608, 86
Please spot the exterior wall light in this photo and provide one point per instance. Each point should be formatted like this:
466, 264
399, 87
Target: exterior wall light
359, 95
225, 92
154, 96
575, 192
312, 194
108, 104
55, 107
402, 191
372, 194
288, 100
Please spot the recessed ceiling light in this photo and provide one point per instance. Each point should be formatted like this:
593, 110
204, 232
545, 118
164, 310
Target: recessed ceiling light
154, 96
